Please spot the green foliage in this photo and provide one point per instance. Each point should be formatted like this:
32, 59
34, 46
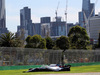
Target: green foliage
9, 40
42, 44
56, 48
78, 37
99, 41
17, 43
89, 47
28, 45
35, 41
28, 39
63, 43
49, 43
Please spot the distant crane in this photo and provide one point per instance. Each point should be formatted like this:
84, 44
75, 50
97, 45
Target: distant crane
57, 10
66, 15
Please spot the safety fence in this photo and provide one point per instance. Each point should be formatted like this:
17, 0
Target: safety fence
29, 56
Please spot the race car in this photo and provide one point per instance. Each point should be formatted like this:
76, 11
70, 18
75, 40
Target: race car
52, 67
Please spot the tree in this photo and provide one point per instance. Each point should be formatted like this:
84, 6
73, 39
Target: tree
49, 43
29, 44
63, 43
9, 40
21, 36
17, 43
42, 44
99, 41
35, 41
78, 37
28, 39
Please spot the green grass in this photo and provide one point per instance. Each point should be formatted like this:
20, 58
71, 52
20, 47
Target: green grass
82, 69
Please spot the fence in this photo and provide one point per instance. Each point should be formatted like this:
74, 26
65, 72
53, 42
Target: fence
27, 56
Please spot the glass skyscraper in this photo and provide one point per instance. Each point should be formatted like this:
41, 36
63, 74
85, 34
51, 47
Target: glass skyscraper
3, 28
25, 16
2, 14
86, 7
88, 10
26, 24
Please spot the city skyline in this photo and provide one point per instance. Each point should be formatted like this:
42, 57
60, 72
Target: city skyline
41, 9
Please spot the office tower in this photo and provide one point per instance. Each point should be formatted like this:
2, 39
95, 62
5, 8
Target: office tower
92, 9
37, 28
94, 23
3, 28
81, 19
2, 14
45, 26
58, 27
45, 19
88, 10
86, 7
26, 24
25, 17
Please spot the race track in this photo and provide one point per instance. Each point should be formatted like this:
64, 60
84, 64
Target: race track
98, 73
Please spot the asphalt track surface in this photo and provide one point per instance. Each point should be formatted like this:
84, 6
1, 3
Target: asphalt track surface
97, 73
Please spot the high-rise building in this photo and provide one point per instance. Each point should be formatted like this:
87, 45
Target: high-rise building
58, 28
81, 19
25, 17
3, 28
45, 19
37, 28
86, 7
26, 24
2, 14
94, 23
88, 10
45, 26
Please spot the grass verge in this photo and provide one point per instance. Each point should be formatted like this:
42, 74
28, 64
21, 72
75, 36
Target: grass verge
82, 69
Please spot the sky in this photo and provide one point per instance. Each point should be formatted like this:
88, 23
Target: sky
43, 8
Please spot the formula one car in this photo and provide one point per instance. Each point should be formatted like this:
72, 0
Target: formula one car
52, 67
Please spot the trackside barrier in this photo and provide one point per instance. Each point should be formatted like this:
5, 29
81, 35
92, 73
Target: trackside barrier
35, 66
18, 67
83, 64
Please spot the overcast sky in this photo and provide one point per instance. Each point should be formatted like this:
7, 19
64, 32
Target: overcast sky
42, 8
